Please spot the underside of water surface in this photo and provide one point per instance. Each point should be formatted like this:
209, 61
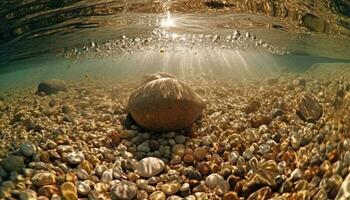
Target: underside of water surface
182, 99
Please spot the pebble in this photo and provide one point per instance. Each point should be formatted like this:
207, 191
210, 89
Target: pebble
230, 196
150, 166
49, 190
170, 188
13, 163
142, 195
179, 149
199, 153
222, 188
248, 154
233, 157
157, 195
27, 149
213, 180
180, 139
99, 169
69, 191
83, 188
297, 174
75, 158
309, 109
124, 190
27, 195
43, 178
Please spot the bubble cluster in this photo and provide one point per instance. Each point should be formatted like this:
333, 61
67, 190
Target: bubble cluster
162, 41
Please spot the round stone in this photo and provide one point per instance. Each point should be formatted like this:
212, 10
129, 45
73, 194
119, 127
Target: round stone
83, 188
149, 166
178, 149
170, 188
180, 139
199, 153
49, 190
69, 191
157, 195
43, 178
27, 195
124, 190
52, 86
213, 180
27, 149
75, 158
165, 104
13, 163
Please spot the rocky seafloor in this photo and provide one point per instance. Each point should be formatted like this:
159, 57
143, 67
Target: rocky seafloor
282, 138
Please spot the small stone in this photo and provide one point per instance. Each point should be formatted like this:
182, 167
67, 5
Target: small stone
201, 195
69, 191
263, 193
149, 166
199, 153
233, 157
230, 196
99, 169
174, 197
13, 163
157, 195
153, 144
142, 184
83, 188
179, 149
188, 158
309, 109
297, 174
107, 176
124, 190
49, 190
213, 180
295, 141
203, 168
194, 175
144, 147
27, 149
248, 154
75, 158
222, 188
142, 195
170, 188
52, 86
180, 139
28, 195
43, 178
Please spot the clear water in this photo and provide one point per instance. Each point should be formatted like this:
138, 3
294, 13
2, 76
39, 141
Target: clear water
231, 49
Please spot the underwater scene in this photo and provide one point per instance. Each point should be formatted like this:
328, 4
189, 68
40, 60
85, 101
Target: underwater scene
174, 99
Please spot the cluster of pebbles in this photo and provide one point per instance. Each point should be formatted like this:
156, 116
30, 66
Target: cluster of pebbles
283, 138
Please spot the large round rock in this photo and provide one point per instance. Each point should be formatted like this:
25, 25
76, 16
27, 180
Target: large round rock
165, 104
52, 86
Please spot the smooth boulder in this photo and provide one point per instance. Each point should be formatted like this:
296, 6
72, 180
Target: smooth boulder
52, 86
165, 104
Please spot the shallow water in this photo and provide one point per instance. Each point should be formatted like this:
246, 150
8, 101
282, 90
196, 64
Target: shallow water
274, 77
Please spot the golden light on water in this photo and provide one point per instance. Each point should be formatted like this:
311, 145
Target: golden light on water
168, 21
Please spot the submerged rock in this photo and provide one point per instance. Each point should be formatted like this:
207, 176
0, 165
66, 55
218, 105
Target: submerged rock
52, 86
344, 191
165, 104
309, 109
13, 163
124, 190
148, 167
